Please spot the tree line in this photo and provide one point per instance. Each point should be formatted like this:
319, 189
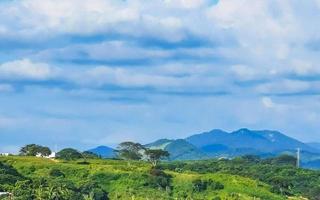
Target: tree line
126, 150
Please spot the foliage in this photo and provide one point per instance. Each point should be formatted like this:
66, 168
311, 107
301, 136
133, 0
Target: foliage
39, 178
34, 149
159, 179
202, 185
279, 172
284, 160
130, 151
69, 154
154, 155
56, 173
89, 155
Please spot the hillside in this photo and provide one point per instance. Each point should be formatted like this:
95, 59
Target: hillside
315, 145
103, 151
178, 149
221, 144
261, 141
119, 180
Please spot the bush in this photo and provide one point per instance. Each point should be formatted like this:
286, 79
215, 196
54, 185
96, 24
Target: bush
94, 190
56, 173
159, 179
69, 154
202, 185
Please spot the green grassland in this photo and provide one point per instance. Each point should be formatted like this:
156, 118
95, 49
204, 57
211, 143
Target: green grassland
123, 180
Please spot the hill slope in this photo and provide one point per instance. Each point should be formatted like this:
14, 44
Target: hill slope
179, 149
103, 151
219, 143
121, 181
315, 145
261, 141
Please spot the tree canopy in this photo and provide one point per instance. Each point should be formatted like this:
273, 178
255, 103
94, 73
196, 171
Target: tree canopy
154, 155
130, 150
69, 154
34, 149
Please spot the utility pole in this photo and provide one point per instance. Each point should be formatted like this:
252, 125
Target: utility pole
298, 158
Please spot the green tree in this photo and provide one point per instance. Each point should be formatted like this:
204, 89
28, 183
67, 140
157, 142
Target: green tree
69, 154
285, 160
155, 155
34, 149
130, 150
89, 155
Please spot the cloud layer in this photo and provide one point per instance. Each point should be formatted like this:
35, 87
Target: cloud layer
239, 63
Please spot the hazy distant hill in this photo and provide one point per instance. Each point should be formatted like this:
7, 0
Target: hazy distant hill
103, 151
315, 145
178, 149
248, 140
312, 164
219, 143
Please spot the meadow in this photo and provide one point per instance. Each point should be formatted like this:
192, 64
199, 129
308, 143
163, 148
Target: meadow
40, 178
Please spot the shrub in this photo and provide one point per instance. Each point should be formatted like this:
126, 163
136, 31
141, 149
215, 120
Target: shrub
69, 154
202, 185
56, 173
159, 179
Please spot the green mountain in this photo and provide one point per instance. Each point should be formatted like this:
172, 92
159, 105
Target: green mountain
315, 145
242, 178
115, 179
219, 143
264, 141
103, 151
178, 149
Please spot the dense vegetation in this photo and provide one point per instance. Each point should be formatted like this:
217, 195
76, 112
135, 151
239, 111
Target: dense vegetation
280, 173
138, 174
40, 178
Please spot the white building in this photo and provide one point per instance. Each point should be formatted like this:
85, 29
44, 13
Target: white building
51, 156
4, 154
5, 194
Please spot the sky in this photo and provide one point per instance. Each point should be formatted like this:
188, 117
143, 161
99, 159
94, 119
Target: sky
97, 72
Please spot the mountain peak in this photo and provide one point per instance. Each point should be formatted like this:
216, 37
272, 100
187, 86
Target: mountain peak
103, 151
268, 141
243, 130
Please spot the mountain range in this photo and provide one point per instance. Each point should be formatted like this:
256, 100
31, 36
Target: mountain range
221, 144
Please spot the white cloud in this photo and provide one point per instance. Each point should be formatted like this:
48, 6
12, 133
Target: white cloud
244, 72
267, 102
284, 87
25, 69
189, 4
71, 16
302, 67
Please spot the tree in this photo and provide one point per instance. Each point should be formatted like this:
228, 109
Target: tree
285, 160
69, 154
154, 155
130, 150
34, 149
89, 155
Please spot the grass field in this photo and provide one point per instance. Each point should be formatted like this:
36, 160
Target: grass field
123, 180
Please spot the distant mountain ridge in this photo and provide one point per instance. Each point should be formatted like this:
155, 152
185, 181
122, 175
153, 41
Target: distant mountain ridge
262, 141
103, 151
179, 149
221, 144
315, 145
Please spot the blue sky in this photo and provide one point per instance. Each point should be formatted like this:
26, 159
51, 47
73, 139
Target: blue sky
97, 72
